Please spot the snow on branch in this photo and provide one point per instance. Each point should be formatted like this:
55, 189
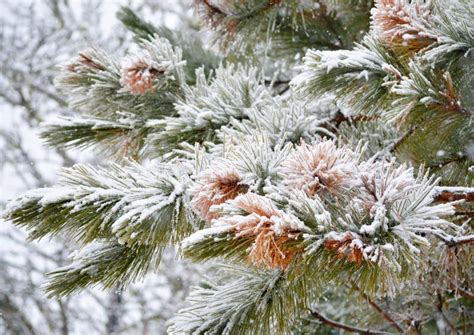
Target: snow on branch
212, 104
454, 28
428, 88
121, 138
453, 193
324, 203
152, 67
359, 77
287, 120
247, 301
102, 263
93, 81
134, 204
252, 219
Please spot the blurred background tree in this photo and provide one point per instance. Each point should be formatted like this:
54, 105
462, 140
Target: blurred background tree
35, 38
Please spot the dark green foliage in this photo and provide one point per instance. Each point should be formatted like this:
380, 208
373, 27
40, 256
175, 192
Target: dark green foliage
106, 264
119, 138
247, 301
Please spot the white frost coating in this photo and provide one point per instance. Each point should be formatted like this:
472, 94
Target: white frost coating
204, 234
121, 196
320, 168
366, 63
402, 19
30, 196
283, 119
404, 205
379, 220
213, 103
455, 189
139, 210
56, 195
246, 215
156, 60
360, 60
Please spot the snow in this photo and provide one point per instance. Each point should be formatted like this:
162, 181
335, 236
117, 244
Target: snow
204, 234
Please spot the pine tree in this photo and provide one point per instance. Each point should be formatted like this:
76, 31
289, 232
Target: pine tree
334, 190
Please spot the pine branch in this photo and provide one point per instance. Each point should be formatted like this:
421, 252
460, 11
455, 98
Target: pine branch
123, 138
105, 263
423, 87
460, 240
380, 252
360, 78
245, 301
287, 120
286, 27
136, 205
194, 52
141, 29
211, 105
334, 324
121, 99
452, 25
94, 81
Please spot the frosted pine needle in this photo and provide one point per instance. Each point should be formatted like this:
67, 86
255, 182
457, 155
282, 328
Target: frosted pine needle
319, 168
85, 60
157, 59
403, 23
138, 74
269, 227
348, 245
215, 186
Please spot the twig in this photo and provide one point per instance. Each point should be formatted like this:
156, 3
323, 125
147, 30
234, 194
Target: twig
460, 158
465, 213
465, 294
439, 307
455, 241
379, 309
335, 324
447, 194
340, 118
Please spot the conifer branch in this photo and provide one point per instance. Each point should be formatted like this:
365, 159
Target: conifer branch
361, 78
120, 138
194, 52
135, 205
105, 263
93, 84
244, 301
455, 241
210, 105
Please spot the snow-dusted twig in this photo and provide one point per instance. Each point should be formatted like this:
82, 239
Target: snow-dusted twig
454, 241
447, 194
